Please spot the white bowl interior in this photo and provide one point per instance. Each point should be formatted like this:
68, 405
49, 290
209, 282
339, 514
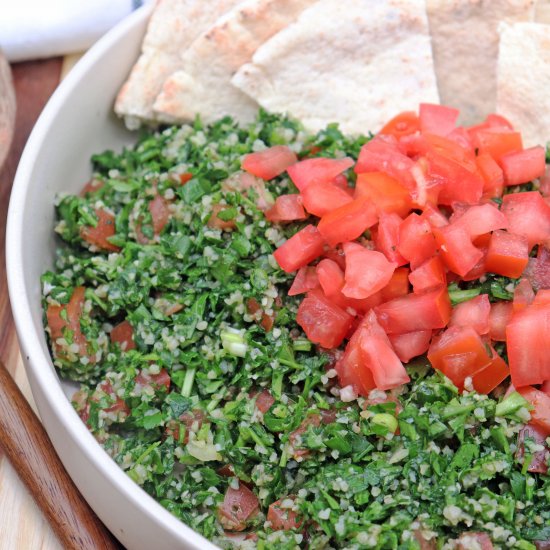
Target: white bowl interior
77, 122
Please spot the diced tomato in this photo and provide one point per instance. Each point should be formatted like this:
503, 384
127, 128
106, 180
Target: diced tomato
480, 220
498, 121
383, 154
427, 186
302, 248
456, 249
269, 163
215, 222
321, 198
453, 149
341, 182
287, 208
336, 254
347, 222
323, 322
264, 401
494, 122
58, 322
523, 166
413, 145
472, 539
185, 177
411, 344
479, 268
539, 459
540, 415
265, 321
428, 275
189, 421
497, 142
414, 312
378, 356
437, 119
493, 177
317, 170
386, 237
99, 235
398, 285
461, 136
528, 215
403, 124
283, 519
239, 506
546, 387
523, 295
460, 181
507, 254
387, 194
488, 378
158, 207
305, 280
482, 241
123, 334
473, 313
434, 216
458, 352
92, 186
351, 369
542, 297
367, 271
416, 240
160, 215
501, 313
528, 345
118, 406
330, 276
155, 381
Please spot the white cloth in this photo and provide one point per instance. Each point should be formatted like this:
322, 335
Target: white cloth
31, 29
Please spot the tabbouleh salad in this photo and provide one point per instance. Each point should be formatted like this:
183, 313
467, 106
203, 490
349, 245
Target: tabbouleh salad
167, 305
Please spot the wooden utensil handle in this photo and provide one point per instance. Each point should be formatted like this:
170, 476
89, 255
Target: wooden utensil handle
31, 453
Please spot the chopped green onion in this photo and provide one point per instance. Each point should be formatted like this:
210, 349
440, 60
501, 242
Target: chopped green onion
301, 344
188, 382
457, 295
234, 343
511, 405
386, 420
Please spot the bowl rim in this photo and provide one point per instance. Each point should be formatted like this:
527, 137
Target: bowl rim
30, 345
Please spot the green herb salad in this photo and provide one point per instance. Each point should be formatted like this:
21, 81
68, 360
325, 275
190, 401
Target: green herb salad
167, 305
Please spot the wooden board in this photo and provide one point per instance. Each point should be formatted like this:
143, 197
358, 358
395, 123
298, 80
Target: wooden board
22, 525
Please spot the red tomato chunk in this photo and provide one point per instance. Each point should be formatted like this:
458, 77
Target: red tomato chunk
473, 313
458, 352
317, 170
367, 271
323, 322
528, 345
414, 312
238, 507
269, 163
302, 248
287, 208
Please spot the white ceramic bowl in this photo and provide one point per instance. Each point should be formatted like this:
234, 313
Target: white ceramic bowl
78, 121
